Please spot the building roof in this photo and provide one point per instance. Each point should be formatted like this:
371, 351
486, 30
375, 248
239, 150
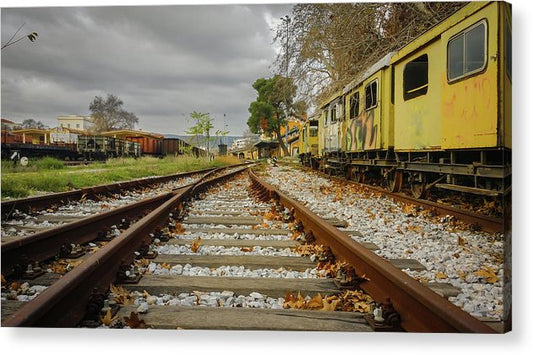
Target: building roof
30, 131
264, 144
131, 133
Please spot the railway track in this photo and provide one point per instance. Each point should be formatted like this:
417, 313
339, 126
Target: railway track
475, 220
233, 261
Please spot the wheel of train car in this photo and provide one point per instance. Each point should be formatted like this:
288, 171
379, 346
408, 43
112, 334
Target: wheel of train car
349, 173
359, 177
394, 180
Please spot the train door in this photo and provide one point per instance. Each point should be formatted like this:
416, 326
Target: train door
352, 113
335, 114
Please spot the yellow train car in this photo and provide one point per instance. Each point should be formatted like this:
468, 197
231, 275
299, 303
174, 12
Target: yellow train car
452, 102
368, 133
308, 142
436, 113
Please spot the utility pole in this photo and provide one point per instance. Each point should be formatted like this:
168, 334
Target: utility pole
287, 21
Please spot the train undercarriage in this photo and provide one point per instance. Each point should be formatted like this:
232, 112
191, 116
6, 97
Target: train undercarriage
482, 173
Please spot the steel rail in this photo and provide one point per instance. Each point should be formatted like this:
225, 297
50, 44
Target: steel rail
45, 201
486, 223
420, 309
46, 244
64, 303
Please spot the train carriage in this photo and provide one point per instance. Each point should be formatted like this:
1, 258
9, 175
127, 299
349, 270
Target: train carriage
308, 142
436, 113
452, 99
369, 132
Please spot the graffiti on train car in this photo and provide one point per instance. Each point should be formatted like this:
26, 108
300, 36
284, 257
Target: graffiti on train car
364, 130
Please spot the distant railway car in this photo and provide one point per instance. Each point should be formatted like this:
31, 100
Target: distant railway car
150, 143
94, 147
173, 146
308, 140
436, 113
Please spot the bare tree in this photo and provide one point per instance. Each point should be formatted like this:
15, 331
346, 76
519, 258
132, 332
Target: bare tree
324, 46
32, 37
107, 114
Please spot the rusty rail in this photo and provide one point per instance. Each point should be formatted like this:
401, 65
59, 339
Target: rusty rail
64, 303
486, 223
45, 201
421, 309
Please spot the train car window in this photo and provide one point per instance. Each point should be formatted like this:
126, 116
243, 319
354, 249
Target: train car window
340, 112
508, 51
313, 131
333, 112
415, 78
371, 95
467, 52
354, 105
325, 115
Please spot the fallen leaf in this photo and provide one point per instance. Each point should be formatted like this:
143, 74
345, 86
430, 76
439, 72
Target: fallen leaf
195, 245
179, 229
247, 250
108, 319
441, 275
134, 322
488, 274
121, 295
315, 302
166, 266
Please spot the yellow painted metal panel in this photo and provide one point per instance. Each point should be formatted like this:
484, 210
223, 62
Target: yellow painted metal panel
506, 89
417, 121
469, 106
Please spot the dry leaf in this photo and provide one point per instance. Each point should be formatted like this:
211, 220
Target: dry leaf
179, 229
166, 266
108, 319
121, 295
441, 275
247, 250
195, 245
329, 305
134, 322
315, 302
488, 274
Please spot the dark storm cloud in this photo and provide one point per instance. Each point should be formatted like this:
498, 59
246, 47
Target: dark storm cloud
162, 61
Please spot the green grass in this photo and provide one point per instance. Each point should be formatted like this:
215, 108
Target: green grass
47, 175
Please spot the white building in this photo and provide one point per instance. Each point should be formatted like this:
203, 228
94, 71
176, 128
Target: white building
75, 121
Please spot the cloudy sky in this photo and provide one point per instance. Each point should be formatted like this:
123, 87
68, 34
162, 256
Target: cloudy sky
164, 62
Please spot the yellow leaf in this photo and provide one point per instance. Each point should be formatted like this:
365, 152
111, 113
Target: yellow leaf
488, 274
108, 319
195, 245
441, 275
315, 302
329, 305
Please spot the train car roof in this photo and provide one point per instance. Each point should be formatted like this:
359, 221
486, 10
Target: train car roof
439, 28
383, 62
130, 132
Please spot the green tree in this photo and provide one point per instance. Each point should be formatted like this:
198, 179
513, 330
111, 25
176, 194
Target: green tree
108, 114
31, 123
201, 130
274, 104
